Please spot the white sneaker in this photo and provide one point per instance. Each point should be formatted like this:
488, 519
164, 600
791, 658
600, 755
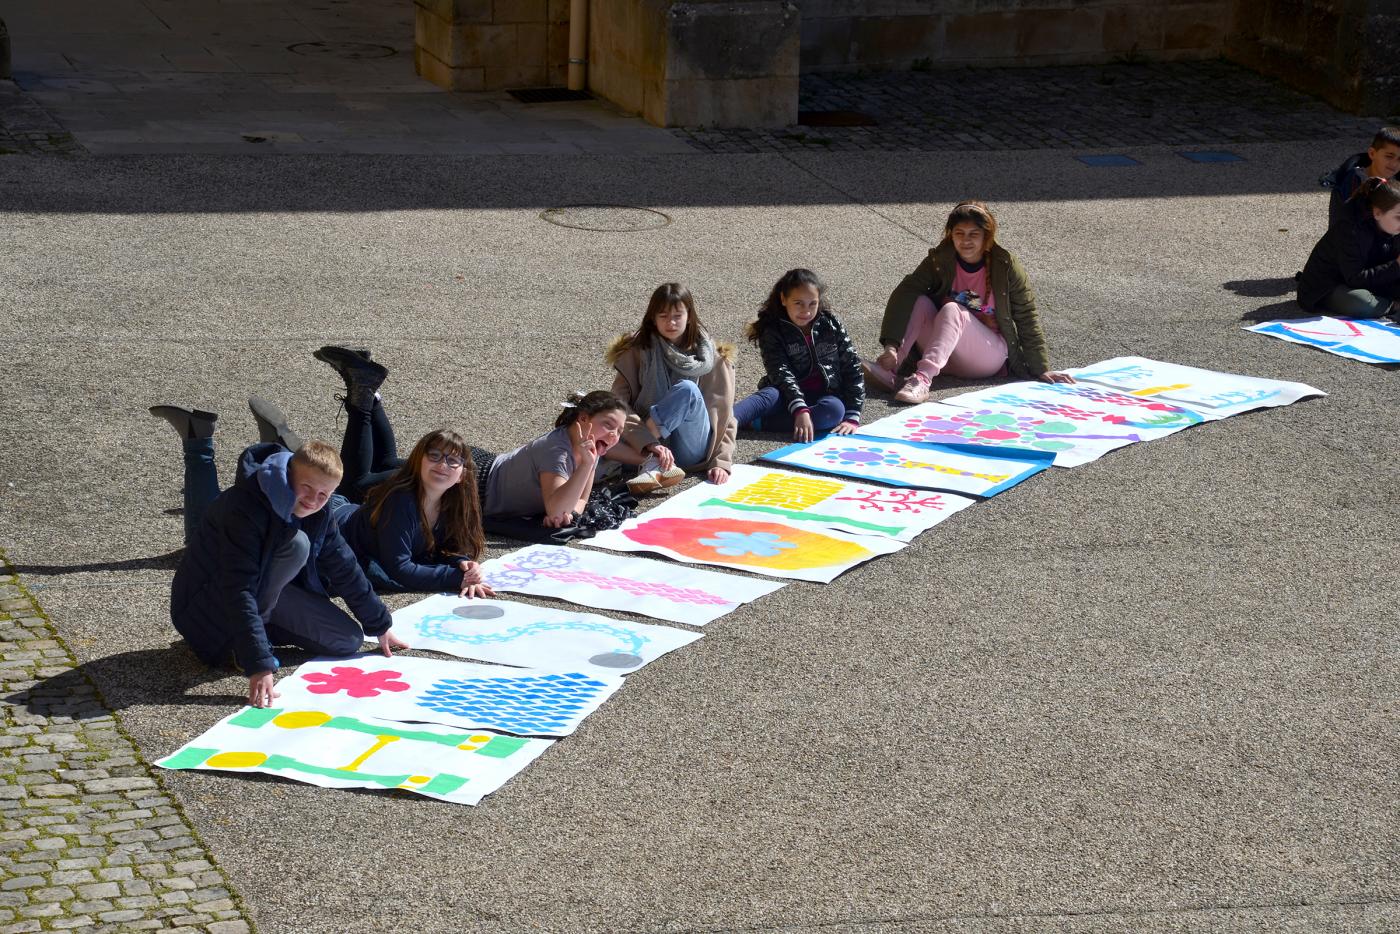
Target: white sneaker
650, 478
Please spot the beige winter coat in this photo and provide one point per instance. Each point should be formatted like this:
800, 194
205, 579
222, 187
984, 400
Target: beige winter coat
717, 386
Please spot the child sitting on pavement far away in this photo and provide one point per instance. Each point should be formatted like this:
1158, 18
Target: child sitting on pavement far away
812, 381
1380, 160
967, 310
265, 557
1354, 271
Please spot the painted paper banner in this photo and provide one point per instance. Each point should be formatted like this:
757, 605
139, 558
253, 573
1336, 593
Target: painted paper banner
1210, 392
525, 701
614, 582
1005, 425
958, 468
715, 536
534, 637
1353, 338
334, 750
803, 500
1098, 407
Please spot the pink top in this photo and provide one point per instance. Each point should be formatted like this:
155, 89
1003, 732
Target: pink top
976, 281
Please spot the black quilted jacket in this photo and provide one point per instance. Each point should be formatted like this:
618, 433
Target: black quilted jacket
787, 359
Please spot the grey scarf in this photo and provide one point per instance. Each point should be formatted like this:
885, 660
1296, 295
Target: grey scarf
664, 365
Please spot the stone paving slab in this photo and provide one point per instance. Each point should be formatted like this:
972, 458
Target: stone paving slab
89, 838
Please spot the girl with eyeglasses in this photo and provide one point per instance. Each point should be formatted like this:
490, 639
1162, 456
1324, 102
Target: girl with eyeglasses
413, 524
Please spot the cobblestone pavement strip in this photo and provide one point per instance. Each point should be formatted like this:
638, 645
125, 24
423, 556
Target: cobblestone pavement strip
1187, 104
88, 839
25, 127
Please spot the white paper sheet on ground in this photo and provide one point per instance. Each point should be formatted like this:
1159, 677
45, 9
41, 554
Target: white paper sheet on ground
1005, 425
1353, 338
337, 750
534, 637
525, 701
957, 468
806, 501
1089, 404
1210, 392
614, 582
763, 545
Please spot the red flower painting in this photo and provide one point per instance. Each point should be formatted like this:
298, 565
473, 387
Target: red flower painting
354, 682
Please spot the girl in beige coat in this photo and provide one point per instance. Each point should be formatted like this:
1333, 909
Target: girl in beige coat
679, 388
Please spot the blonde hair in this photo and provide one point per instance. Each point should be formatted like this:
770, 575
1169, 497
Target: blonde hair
320, 456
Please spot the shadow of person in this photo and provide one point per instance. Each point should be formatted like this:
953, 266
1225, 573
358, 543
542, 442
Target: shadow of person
1277, 311
1262, 288
169, 677
166, 562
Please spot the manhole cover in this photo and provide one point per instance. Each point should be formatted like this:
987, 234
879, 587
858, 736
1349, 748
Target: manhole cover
613, 218
350, 50
834, 118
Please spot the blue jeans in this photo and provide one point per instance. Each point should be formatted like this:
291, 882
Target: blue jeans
765, 408
1356, 303
684, 422
201, 483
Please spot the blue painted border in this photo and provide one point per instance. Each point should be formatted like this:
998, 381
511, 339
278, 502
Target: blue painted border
1035, 461
1274, 328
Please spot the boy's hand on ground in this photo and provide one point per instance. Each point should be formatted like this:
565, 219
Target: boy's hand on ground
261, 690
388, 642
802, 427
845, 428
718, 475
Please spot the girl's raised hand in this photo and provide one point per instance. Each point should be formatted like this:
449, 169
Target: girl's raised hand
585, 450
845, 428
802, 427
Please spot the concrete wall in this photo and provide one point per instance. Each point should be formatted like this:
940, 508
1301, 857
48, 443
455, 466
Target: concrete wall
843, 35
481, 45
1344, 51
697, 63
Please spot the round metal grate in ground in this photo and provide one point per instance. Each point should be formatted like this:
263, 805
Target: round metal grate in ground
610, 218
350, 50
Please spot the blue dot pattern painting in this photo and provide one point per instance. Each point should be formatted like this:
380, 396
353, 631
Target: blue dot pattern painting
539, 705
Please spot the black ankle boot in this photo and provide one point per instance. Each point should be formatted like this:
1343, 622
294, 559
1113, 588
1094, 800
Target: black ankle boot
354, 366
272, 424
188, 423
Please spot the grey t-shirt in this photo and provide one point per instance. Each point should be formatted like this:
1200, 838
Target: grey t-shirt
513, 486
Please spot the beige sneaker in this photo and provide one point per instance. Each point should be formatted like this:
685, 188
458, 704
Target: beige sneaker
652, 478
912, 392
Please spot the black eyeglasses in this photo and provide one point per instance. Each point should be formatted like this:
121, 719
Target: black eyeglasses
451, 460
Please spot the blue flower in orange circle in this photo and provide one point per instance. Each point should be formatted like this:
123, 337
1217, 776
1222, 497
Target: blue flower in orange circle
738, 544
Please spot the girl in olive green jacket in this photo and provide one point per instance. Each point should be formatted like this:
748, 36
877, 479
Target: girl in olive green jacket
967, 311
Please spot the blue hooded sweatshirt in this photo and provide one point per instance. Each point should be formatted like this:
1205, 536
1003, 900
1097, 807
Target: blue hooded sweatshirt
214, 598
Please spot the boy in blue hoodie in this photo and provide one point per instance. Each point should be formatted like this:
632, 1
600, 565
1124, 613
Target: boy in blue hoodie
263, 559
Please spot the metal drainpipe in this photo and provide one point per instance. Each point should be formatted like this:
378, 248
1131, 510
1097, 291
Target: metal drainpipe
4, 51
578, 45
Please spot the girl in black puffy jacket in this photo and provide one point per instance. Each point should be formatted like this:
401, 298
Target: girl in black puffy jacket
812, 380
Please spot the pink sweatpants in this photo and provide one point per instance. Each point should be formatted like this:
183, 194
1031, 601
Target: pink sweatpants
953, 342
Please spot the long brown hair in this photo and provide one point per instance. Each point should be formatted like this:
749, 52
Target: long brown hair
667, 295
972, 212
460, 511
1379, 193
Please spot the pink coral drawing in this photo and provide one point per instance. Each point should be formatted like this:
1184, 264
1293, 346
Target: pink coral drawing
354, 681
